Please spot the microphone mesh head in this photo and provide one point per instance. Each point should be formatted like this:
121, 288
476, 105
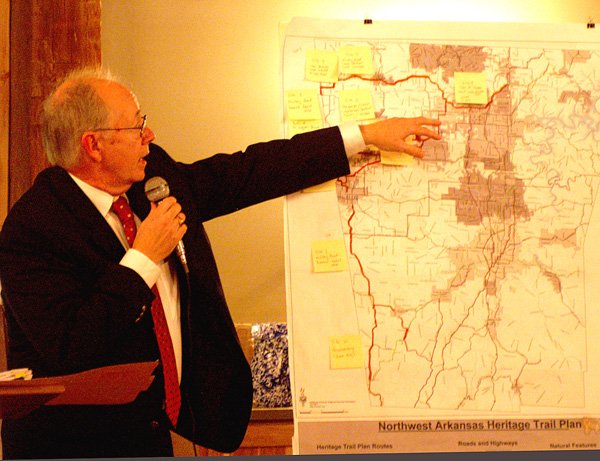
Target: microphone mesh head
156, 189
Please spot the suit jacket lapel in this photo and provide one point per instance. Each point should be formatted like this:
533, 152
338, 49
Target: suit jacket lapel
138, 201
84, 211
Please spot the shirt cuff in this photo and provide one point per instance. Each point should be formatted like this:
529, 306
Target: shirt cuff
352, 137
144, 266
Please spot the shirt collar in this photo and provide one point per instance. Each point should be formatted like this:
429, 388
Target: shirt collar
102, 200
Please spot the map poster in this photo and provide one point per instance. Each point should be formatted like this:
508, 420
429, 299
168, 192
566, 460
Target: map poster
450, 303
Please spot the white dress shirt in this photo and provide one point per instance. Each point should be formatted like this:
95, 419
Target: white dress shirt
352, 137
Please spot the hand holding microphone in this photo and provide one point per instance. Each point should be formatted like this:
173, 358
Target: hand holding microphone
164, 227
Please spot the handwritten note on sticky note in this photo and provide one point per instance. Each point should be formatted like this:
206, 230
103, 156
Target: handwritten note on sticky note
346, 352
303, 104
356, 60
302, 126
356, 104
470, 88
329, 256
321, 66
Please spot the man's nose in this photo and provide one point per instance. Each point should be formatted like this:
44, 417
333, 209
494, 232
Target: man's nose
148, 135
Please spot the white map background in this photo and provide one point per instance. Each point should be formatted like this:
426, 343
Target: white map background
472, 273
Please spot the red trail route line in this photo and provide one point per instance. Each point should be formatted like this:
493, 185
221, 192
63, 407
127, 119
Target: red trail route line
344, 183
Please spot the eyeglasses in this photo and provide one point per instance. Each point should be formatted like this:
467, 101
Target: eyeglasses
141, 127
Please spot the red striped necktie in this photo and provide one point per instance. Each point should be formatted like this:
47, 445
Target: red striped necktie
165, 345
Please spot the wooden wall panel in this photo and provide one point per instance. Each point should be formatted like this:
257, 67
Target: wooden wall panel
47, 39
4, 89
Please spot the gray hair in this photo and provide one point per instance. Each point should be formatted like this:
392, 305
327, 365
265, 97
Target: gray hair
71, 109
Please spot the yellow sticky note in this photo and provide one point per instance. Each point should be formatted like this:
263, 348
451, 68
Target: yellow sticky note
399, 158
329, 256
356, 104
303, 105
326, 186
470, 88
321, 66
302, 126
346, 352
396, 158
356, 60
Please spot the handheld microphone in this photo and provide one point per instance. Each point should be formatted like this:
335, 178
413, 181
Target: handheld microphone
157, 189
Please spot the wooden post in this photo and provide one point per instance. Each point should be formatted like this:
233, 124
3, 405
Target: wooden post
47, 39
4, 89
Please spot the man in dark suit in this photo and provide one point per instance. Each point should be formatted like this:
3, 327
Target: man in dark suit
77, 288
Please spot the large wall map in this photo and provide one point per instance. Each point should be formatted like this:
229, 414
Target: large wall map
470, 278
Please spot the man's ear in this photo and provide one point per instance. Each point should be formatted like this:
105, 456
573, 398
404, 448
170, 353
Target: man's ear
91, 145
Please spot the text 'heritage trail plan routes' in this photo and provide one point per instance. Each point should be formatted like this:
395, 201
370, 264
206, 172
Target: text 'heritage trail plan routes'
450, 303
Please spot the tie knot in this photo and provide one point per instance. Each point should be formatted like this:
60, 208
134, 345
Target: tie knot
122, 209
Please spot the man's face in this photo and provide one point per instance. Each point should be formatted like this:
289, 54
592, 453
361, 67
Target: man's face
123, 149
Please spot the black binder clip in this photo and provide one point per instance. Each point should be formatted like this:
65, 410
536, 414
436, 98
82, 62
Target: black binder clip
591, 24
368, 21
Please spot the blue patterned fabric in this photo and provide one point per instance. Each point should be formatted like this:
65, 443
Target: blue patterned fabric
270, 366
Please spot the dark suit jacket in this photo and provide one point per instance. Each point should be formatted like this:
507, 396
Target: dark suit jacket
71, 306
